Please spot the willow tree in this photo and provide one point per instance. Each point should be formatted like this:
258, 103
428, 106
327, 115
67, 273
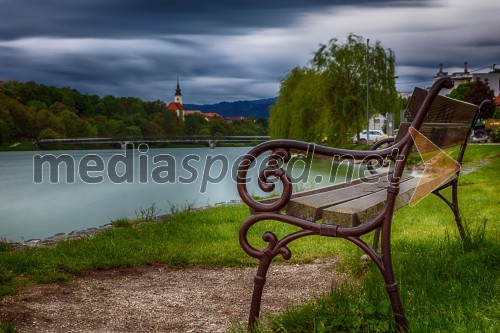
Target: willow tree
325, 101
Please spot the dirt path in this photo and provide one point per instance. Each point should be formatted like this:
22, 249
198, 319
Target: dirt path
160, 299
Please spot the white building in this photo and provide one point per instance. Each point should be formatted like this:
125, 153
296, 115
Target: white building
493, 78
377, 122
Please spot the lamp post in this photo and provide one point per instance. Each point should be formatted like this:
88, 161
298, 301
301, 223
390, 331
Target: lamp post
367, 92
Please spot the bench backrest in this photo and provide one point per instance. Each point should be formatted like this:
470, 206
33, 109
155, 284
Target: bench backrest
447, 123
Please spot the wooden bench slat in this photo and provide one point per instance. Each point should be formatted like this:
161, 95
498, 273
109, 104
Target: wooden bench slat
310, 207
362, 210
315, 191
359, 211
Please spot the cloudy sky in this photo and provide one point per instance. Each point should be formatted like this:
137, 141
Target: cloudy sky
230, 49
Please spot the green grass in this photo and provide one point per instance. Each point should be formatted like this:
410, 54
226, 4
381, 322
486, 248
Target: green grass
6, 327
446, 285
24, 146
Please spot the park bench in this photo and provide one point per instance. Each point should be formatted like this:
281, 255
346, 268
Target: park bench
352, 209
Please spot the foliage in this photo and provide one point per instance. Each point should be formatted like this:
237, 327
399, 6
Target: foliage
37, 111
122, 223
148, 214
178, 209
325, 102
6, 327
495, 135
476, 92
49, 133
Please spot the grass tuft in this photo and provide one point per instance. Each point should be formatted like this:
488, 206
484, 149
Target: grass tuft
122, 223
6, 327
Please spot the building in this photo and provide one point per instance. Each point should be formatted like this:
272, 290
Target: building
492, 77
377, 122
212, 115
207, 116
177, 106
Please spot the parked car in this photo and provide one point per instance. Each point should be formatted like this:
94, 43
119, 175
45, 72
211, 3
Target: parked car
478, 135
373, 136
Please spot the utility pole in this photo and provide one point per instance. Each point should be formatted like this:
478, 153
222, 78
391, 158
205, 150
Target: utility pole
367, 92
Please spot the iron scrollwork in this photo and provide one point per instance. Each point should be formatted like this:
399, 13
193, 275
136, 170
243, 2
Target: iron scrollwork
266, 181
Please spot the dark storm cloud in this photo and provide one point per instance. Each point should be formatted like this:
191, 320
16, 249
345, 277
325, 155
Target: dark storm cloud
132, 18
227, 50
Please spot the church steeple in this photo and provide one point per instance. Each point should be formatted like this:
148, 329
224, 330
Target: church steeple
178, 94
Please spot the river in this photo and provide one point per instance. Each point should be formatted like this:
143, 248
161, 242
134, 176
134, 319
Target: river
92, 188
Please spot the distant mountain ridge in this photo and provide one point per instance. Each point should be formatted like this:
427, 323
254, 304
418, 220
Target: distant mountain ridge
256, 108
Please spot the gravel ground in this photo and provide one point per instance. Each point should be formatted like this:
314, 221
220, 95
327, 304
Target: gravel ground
161, 299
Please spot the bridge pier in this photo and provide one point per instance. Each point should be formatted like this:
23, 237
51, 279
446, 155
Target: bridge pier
124, 144
212, 144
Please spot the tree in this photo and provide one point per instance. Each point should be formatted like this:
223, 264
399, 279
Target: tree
49, 133
194, 123
325, 102
45, 119
476, 92
75, 126
114, 108
4, 131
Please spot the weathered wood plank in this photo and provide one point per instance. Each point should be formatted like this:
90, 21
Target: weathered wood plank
362, 210
310, 207
442, 135
442, 110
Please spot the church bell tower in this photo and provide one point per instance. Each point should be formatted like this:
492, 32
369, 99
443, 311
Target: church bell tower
178, 94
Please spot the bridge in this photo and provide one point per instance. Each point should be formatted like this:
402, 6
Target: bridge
211, 140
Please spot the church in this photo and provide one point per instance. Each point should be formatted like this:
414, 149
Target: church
178, 107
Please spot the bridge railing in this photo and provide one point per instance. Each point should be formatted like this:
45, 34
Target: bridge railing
186, 139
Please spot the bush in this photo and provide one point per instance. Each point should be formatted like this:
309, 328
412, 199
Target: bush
496, 114
495, 135
49, 133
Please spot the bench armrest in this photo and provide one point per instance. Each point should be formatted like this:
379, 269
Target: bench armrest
280, 153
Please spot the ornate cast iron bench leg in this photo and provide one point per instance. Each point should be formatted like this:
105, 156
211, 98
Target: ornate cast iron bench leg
267, 255
259, 282
453, 204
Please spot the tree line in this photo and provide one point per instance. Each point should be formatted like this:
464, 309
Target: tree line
31, 111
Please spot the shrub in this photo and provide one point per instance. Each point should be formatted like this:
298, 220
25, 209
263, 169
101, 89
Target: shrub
495, 135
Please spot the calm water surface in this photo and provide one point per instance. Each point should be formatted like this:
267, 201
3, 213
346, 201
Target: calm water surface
38, 210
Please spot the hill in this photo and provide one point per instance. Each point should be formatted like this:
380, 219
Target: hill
36, 111
257, 108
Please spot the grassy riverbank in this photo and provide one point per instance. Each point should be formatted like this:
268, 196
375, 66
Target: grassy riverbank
446, 285
18, 146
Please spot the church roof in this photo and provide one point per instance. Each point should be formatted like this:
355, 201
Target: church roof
175, 106
188, 112
212, 115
